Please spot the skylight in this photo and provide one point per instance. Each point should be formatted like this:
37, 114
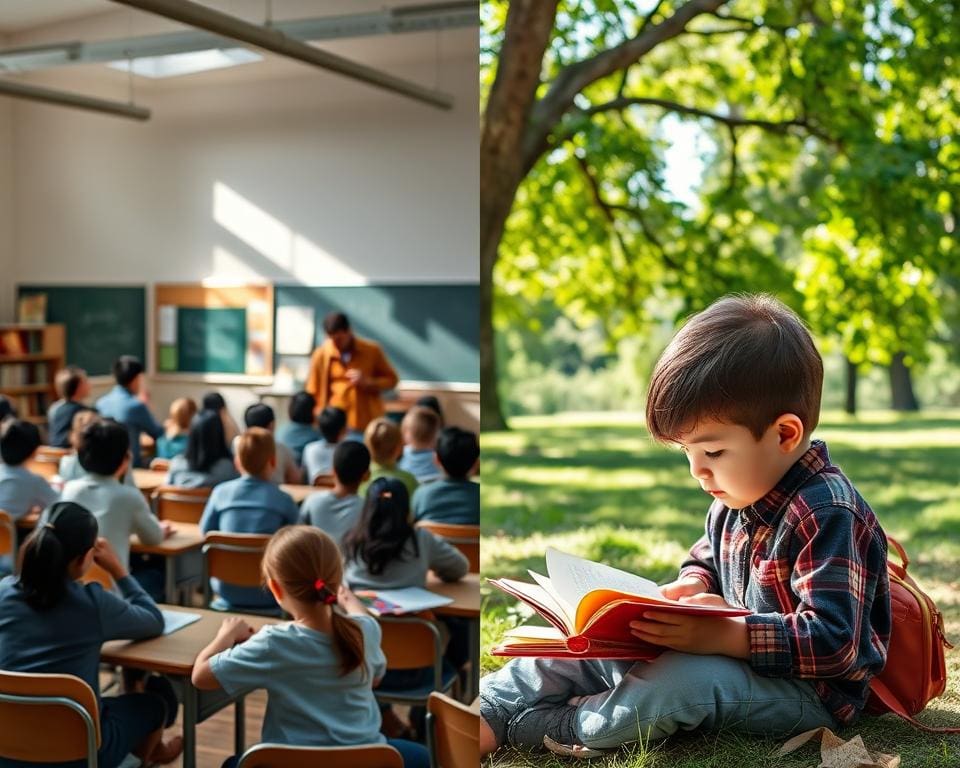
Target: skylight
177, 64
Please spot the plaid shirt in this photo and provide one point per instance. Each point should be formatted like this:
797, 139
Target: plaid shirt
810, 560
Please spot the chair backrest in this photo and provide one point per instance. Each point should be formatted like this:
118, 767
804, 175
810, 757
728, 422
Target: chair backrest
8, 534
98, 575
466, 538
453, 733
361, 756
324, 481
160, 465
410, 642
35, 706
234, 558
181, 505
46, 461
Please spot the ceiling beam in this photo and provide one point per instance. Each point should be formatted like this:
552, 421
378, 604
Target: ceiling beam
75, 100
275, 41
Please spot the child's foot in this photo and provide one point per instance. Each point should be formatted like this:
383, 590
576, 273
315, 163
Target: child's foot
167, 751
571, 750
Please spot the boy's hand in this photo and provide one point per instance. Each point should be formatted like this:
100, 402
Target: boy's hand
685, 587
726, 636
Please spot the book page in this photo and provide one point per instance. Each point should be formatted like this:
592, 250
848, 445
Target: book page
552, 600
573, 577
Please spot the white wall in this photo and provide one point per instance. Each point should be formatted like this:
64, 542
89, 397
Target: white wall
272, 171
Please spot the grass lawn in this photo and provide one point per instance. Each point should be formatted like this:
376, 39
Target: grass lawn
598, 486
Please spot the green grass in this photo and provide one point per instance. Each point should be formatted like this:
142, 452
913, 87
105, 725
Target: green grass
598, 486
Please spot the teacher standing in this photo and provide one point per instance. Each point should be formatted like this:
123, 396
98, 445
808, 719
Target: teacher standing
349, 373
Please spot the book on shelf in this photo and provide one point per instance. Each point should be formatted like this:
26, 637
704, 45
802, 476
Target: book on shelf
393, 602
589, 607
32, 309
13, 343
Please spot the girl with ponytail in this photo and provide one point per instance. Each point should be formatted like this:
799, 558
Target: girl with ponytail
50, 622
319, 669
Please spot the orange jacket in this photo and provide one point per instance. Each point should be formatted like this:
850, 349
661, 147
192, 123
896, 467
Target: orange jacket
361, 405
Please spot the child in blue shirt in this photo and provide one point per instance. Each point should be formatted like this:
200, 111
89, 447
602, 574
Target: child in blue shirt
420, 428
173, 441
336, 511
300, 430
73, 386
207, 461
455, 498
318, 456
319, 670
126, 403
249, 504
51, 623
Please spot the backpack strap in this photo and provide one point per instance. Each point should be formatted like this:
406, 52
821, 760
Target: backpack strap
890, 702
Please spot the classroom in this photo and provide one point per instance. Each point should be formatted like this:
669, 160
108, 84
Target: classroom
262, 262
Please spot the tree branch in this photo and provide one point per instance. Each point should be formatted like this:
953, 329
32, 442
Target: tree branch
732, 183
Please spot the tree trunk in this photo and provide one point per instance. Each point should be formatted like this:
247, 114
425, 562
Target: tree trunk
901, 387
850, 404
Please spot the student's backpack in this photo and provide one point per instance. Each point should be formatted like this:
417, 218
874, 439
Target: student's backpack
915, 671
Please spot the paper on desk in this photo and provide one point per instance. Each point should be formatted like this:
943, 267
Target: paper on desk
406, 600
174, 620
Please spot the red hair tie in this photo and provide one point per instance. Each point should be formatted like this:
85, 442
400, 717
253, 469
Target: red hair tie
321, 586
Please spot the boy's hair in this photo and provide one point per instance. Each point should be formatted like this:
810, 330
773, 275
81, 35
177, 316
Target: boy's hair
433, 403
125, 369
6, 409
382, 437
182, 411
743, 360
18, 440
458, 450
259, 415
255, 448
332, 421
80, 421
103, 446
422, 423
351, 460
206, 443
301, 408
213, 401
336, 321
68, 380
383, 528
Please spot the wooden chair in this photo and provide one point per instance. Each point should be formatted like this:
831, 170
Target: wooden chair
98, 575
324, 481
411, 642
466, 538
181, 505
361, 756
8, 535
234, 558
46, 461
160, 465
35, 706
453, 733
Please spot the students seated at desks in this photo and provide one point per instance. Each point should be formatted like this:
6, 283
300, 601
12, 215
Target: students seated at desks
51, 623
69, 467
300, 430
383, 440
127, 403
286, 469
207, 461
318, 670
318, 455
173, 441
73, 387
336, 511
213, 401
121, 510
7, 411
250, 504
455, 498
419, 428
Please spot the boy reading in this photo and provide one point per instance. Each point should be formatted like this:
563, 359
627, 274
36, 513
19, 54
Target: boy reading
787, 537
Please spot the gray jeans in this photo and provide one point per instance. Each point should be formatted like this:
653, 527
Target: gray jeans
627, 701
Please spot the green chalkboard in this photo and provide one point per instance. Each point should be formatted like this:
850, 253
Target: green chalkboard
429, 332
101, 323
211, 340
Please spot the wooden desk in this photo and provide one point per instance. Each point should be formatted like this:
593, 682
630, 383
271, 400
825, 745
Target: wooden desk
174, 655
466, 604
300, 492
186, 538
148, 480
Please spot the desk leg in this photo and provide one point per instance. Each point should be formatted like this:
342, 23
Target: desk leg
473, 682
189, 725
239, 726
170, 581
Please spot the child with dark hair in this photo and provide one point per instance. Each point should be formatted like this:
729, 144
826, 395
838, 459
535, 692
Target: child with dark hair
69, 467
336, 511
318, 670
385, 443
73, 387
173, 441
213, 401
121, 510
52, 623
20, 489
455, 498
420, 427
7, 411
433, 403
285, 469
318, 456
299, 431
787, 537
207, 461
127, 403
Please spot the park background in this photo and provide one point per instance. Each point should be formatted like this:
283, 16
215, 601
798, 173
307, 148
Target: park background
638, 161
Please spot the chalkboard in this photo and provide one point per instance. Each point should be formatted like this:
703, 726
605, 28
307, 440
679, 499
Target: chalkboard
101, 323
211, 340
429, 332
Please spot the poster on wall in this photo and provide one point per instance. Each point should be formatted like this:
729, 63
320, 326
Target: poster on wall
295, 330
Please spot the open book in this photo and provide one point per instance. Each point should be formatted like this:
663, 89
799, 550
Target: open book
590, 606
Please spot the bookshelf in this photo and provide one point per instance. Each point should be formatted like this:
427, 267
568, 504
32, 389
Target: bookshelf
30, 356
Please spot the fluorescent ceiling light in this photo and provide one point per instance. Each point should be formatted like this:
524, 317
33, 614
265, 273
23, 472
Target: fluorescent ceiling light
177, 64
